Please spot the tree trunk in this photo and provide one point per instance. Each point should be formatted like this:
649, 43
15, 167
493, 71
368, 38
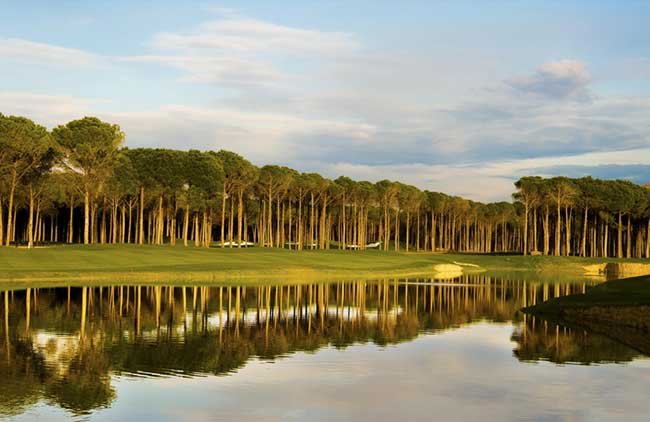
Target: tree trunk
223, 217
605, 240
123, 225
262, 225
628, 249
102, 226
196, 230
558, 230
71, 222
269, 221
2, 228
647, 240
567, 225
535, 240
526, 228
322, 234
278, 223
282, 233
433, 231
128, 233
417, 234
408, 222
311, 223
546, 229
240, 212
141, 218
619, 249
300, 222
583, 244
343, 234
186, 225
290, 222
172, 226
396, 230
231, 221
86, 216
160, 227
114, 219
30, 224
10, 212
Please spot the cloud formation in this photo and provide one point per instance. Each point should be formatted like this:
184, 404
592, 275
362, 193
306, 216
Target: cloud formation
247, 35
30, 52
242, 51
560, 80
47, 110
326, 101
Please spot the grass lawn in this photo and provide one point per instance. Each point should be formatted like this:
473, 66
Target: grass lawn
619, 308
633, 291
109, 262
145, 262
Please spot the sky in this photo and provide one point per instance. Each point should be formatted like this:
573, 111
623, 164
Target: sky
452, 96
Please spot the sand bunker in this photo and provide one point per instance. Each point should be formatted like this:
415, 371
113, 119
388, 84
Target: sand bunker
619, 269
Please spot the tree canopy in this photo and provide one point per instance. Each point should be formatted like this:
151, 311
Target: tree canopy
157, 195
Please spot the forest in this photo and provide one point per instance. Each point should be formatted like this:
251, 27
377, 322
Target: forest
78, 184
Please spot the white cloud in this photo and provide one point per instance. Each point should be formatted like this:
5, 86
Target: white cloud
322, 101
30, 52
332, 147
562, 79
227, 70
244, 35
237, 52
262, 137
48, 110
482, 181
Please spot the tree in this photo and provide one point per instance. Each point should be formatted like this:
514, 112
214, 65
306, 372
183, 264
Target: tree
409, 198
387, 194
26, 150
240, 175
347, 194
43, 177
562, 192
528, 193
315, 185
205, 180
90, 148
122, 189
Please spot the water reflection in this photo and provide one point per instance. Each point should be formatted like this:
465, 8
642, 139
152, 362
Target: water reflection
62, 346
562, 342
545, 340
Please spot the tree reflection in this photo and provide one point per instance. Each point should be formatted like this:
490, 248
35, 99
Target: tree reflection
85, 384
63, 345
539, 339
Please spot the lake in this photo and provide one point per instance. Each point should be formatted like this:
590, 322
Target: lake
414, 349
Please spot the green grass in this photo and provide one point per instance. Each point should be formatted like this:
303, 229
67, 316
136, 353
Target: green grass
619, 309
108, 261
627, 292
111, 261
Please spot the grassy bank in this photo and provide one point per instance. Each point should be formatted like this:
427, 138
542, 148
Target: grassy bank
110, 261
624, 302
633, 291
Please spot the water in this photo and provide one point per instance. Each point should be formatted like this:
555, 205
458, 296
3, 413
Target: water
380, 350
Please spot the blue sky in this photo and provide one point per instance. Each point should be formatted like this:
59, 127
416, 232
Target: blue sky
461, 97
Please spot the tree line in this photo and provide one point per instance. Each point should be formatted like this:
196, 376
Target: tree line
78, 184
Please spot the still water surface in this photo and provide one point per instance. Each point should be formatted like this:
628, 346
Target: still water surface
381, 350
